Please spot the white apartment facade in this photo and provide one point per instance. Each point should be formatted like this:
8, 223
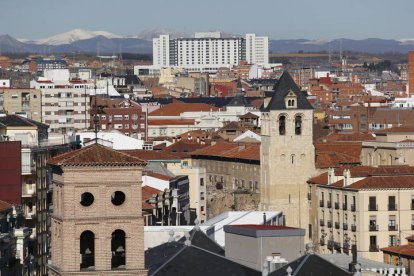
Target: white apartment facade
64, 105
209, 51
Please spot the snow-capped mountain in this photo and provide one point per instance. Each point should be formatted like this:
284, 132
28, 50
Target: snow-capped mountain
72, 36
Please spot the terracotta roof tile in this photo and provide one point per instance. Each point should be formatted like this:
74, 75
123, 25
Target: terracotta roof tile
147, 192
158, 175
161, 122
384, 182
320, 179
407, 250
176, 108
231, 150
350, 137
335, 154
96, 155
183, 148
395, 130
149, 155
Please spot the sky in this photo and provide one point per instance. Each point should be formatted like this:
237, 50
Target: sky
278, 19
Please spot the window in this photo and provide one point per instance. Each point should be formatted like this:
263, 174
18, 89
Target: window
372, 206
392, 240
282, 125
87, 250
391, 203
391, 223
298, 125
86, 199
118, 249
117, 198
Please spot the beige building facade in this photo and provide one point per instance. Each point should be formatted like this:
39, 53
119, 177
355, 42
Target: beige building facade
287, 153
97, 227
367, 206
24, 102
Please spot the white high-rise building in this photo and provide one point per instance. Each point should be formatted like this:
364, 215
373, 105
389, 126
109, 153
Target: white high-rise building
257, 49
209, 51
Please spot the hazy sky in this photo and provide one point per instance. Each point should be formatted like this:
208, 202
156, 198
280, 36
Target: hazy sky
279, 19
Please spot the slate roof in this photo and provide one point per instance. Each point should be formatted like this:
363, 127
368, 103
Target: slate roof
238, 99
281, 89
96, 155
311, 264
200, 239
175, 258
16, 120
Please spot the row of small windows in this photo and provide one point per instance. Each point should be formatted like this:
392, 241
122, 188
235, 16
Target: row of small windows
117, 198
298, 124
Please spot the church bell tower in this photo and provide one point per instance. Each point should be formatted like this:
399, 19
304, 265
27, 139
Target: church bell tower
287, 152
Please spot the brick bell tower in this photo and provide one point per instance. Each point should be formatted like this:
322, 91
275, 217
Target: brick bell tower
97, 226
287, 152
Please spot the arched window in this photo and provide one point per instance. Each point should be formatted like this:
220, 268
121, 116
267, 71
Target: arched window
298, 125
87, 250
118, 249
282, 125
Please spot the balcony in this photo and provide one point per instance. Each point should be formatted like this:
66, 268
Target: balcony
372, 207
330, 245
337, 205
353, 228
353, 207
392, 207
329, 224
344, 206
329, 204
337, 246
373, 227
337, 225
345, 226
322, 222
373, 248
393, 227
346, 247
321, 203
28, 190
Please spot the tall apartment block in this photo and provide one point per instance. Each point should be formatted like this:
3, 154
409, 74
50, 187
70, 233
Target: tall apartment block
209, 50
411, 73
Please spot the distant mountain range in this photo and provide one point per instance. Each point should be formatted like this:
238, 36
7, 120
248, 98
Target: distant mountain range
101, 42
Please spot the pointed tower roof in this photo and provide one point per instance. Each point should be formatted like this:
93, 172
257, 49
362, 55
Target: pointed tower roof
285, 85
239, 99
96, 155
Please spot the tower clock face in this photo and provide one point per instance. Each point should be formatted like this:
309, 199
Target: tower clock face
134, 117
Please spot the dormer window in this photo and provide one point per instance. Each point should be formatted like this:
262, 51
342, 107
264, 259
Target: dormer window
291, 100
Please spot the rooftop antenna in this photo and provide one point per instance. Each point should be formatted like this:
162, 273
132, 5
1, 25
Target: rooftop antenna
95, 118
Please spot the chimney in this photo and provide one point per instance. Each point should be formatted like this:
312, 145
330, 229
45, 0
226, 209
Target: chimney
264, 219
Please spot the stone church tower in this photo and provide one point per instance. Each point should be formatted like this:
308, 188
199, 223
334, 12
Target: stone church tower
287, 152
97, 226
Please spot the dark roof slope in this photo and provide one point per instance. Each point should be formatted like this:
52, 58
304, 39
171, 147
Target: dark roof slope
282, 88
16, 120
96, 155
200, 239
239, 99
310, 264
192, 260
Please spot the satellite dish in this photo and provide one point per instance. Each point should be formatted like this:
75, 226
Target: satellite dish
126, 96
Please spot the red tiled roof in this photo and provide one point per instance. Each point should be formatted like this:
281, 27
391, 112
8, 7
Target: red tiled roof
384, 182
176, 108
184, 148
407, 250
96, 155
395, 130
334, 154
147, 192
350, 137
161, 122
150, 155
320, 179
231, 150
